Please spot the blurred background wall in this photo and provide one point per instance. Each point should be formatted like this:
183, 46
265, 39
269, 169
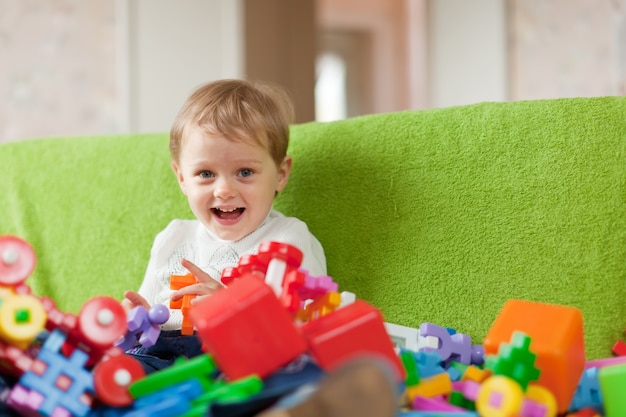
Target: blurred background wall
72, 67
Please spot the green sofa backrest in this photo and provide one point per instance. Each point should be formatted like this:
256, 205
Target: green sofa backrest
433, 216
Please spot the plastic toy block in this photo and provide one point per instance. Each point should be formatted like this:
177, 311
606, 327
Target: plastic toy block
63, 383
403, 337
347, 298
456, 346
13, 360
184, 304
246, 329
175, 400
144, 326
557, 339
455, 370
469, 389
229, 274
17, 261
355, 330
291, 296
601, 363
458, 397
474, 373
619, 348
223, 392
282, 258
320, 307
499, 396
101, 321
585, 412
316, 286
612, 382
435, 404
437, 414
113, 377
56, 319
515, 360
538, 402
248, 264
433, 386
200, 368
253, 264
410, 367
428, 363
22, 318
588, 393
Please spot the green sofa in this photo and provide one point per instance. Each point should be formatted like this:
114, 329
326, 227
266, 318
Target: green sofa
433, 216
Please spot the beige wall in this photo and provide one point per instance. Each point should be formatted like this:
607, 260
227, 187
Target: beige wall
565, 48
71, 67
57, 68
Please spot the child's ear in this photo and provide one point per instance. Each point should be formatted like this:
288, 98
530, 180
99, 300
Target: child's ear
179, 175
284, 170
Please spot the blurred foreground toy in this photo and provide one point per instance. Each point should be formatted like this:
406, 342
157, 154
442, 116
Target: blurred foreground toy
531, 363
144, 326
66, 375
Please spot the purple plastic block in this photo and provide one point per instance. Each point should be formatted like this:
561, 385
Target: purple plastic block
457, 347
143, 326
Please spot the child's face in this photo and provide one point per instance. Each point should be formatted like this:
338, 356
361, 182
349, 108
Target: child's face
230, 184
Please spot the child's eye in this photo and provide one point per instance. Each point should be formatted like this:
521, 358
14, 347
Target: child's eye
205, 174
245, 172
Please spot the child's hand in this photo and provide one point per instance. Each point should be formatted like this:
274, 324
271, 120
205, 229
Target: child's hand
205, 287
132, 299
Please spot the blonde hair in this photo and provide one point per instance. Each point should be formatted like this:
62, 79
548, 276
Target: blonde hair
237, 110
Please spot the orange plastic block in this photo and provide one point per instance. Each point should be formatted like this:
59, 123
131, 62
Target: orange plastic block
321, 306
184, 304
556, 334
433, 386
476, 374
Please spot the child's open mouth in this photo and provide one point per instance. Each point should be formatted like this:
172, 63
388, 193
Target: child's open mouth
228, 214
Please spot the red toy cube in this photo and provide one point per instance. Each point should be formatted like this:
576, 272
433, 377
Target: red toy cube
246, 329
356, 330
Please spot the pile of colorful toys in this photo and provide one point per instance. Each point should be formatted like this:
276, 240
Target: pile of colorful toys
531, 363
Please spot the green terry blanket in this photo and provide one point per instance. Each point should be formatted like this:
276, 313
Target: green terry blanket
437, 215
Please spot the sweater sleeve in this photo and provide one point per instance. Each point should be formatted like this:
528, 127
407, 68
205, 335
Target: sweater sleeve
155, 285
151, 287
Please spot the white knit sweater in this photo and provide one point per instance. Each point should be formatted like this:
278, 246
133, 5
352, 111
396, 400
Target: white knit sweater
191, 240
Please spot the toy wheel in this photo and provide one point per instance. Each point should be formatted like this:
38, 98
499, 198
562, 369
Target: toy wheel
17, 260
102, 321
112, 378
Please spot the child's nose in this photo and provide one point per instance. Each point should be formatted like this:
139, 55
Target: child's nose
225, 189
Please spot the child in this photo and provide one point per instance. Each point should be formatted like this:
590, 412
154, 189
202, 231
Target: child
228, 147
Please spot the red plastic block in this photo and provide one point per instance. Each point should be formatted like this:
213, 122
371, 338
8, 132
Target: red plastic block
556, 334
246, 329
350, 332
619, 348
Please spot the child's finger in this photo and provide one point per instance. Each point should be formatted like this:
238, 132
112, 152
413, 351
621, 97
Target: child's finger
196, 289
135, 299
195, 270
